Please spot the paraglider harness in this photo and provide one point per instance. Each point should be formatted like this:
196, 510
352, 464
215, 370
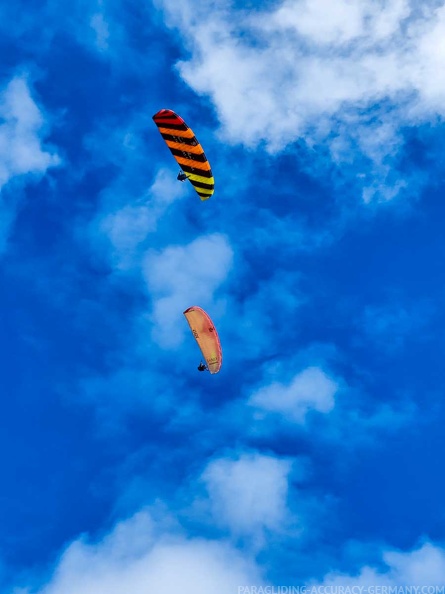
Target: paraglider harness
182, 176
202, 367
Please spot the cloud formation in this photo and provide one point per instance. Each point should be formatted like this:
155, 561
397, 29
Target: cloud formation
21, 134
310, 389
248, 494
22, 131
128, 227
141, 555
424, 566
345, 74
150, 552
178, 277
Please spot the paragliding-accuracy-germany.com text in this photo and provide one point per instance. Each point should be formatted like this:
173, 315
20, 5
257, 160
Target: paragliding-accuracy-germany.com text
342, 589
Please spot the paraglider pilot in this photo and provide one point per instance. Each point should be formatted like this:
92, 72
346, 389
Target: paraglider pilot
202, 367
182, 176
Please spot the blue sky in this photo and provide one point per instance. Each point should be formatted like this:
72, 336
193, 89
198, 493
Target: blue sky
315, 457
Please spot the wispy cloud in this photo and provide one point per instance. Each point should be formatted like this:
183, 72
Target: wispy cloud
22, 152
127, 227
101, 29
180, 276
21, 134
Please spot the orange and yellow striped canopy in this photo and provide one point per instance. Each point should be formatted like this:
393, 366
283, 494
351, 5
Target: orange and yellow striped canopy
187, 151
206, 336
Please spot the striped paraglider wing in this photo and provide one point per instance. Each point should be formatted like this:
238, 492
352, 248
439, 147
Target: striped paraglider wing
187, 151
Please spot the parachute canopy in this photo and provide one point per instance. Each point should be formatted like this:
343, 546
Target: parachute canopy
206, 336
187, 151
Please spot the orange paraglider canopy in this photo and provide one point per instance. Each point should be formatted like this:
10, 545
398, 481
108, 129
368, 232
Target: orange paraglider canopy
206, 336
187, 151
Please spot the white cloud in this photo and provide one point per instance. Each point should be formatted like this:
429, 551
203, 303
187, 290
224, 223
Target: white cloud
141, 556
150, 553
248, 494
22, 129
324, 23
346, 73
342, 412
424, 566
310, 389
181, 276
21, 133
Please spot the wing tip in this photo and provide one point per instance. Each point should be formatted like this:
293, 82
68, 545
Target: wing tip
165, 112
